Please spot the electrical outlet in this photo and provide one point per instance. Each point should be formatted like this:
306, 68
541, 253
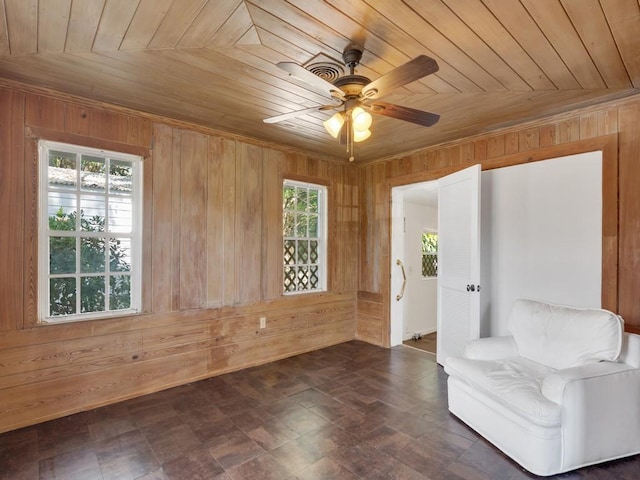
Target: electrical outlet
263, 322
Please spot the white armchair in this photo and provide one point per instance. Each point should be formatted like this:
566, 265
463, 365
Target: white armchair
561, 392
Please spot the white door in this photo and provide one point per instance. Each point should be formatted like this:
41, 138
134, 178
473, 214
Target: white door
458, 261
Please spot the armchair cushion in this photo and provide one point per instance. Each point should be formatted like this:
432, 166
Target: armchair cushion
515, 383
563, 337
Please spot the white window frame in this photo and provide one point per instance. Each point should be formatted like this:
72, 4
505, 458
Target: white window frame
321, 238
44, 233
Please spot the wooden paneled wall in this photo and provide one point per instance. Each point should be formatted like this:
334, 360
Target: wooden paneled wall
612, 128
212, 262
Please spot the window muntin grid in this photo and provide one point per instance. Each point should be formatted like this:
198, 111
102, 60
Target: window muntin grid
304, 230
90, 232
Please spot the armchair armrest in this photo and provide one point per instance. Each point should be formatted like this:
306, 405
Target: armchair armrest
600, 414
491, 348
554, 384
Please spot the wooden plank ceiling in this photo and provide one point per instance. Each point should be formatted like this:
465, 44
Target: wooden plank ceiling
213, 62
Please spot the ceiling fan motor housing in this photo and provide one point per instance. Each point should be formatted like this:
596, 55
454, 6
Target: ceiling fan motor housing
352, 54
351, 85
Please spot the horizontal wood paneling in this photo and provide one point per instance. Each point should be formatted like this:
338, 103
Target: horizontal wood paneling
586, 130
212, 264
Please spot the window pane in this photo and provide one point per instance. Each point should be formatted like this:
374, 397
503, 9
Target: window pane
62, 208
288, 198
301, 224
301, 204
120, 292
120, 215
303, 278
62, 296
120, 255
289, 279
92, 294
313, 201
289, 252
93, 174
121, 177
313, 251
314, 277
92, 255
288, 224
62, 255
313, 226
303, 251
93, 211
62, 170
429, 265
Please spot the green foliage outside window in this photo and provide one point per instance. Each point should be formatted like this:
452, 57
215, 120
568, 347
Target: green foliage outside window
92, 264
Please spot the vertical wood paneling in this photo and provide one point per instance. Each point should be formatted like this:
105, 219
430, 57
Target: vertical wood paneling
76, 120
12, 194
229, 223
568, 130
212, 238
162, 223
610, 225
334, 233
629, 215
214, 234
272, 224
176, 200
44, 112
193, 224
529, 139
248, 232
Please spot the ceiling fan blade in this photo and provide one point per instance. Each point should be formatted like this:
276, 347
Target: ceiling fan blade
298, 113
407, 114
419, 67
312, 79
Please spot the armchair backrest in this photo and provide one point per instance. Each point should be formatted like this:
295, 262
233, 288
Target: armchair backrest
631, 350
562, 337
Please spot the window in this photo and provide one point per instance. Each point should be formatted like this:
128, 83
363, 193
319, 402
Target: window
429, 254
90, 232
304, 234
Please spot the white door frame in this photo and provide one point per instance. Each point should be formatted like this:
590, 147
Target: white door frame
396, 323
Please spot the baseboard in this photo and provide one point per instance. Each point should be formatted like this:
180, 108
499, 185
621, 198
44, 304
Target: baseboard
409, 336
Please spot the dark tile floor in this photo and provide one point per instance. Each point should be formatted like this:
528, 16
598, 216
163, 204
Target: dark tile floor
352, 411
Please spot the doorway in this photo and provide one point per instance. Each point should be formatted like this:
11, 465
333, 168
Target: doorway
414, 291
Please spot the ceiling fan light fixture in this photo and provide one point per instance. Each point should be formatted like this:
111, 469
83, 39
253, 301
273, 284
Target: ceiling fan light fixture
361, 119
334, 124
360, 135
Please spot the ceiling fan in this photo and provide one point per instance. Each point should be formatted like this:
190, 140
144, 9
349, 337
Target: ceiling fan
357, 96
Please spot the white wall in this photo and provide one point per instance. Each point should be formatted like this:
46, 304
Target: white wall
420, 294
541, 235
